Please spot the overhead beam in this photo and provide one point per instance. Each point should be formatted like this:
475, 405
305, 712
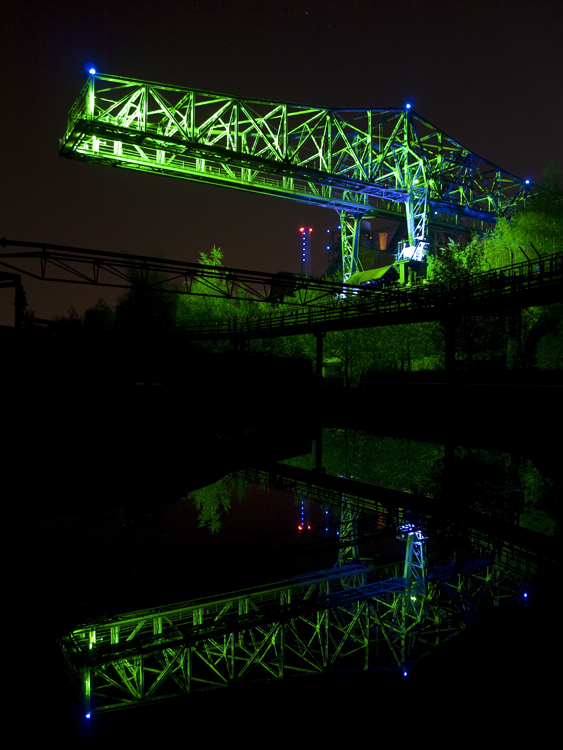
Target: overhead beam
354, 160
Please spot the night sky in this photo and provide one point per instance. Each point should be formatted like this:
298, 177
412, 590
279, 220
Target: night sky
487, 73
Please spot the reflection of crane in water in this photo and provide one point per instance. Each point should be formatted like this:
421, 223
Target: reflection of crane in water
357, 615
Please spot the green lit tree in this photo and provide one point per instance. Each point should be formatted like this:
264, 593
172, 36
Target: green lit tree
205, 303
457, 261
536, 227
215, 499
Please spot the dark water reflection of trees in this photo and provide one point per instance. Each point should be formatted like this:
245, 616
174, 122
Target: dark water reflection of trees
506, 486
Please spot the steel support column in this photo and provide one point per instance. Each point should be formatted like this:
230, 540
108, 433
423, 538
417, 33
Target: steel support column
350, 226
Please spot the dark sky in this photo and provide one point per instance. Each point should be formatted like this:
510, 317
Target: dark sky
487, 73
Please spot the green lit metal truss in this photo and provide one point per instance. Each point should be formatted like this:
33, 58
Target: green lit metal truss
354, 616
361, 162
343, 617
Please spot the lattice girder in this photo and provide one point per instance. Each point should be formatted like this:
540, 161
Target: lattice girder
353, 160
302, 626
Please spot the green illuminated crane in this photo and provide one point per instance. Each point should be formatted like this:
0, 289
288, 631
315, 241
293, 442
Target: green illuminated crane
364, 163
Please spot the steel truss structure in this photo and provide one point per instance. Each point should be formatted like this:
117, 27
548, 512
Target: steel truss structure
354, 616
363, 163
332, 306
525, 553
301, 626
75, 265
516, 286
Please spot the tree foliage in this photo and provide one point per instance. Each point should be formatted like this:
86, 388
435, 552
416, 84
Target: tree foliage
215, 499
97, 319
205, 303
148, 306
100, 318
532, 337
457, 261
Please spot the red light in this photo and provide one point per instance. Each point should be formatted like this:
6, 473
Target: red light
308, 526
300, 528
310, 230
301, 229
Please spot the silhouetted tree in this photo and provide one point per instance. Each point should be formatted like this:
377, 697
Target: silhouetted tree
147, 306
100, 318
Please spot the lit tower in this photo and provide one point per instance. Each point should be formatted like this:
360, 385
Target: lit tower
305, 250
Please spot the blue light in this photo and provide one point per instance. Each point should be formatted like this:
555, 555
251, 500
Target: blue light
525, 595
405, 673
88, 715
92, 71
527, 182
408, 106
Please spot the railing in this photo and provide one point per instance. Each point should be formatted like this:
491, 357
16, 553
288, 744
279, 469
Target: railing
433, 299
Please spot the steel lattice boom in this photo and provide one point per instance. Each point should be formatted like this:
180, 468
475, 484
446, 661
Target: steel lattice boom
354, 616
337, 618
361, 162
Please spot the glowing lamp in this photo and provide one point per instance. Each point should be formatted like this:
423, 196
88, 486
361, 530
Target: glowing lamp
301, 229
408, 106
92, 71
88, 715
527, 182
